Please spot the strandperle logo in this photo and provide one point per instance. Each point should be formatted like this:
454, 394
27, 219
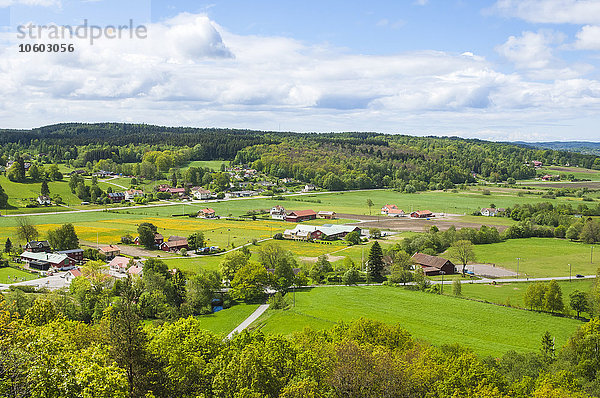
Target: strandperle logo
84, 31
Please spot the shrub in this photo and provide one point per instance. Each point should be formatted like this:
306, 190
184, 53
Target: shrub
351, 277
278, 302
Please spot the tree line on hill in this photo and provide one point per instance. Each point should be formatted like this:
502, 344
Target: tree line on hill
333, 161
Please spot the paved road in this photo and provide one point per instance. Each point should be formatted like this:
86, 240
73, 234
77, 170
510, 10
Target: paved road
254, 316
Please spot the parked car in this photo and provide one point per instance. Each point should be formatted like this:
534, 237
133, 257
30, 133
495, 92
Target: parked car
578, 276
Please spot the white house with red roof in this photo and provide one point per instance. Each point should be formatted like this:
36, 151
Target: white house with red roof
206, 213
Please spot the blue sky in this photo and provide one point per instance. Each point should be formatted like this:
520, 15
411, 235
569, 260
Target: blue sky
498, 69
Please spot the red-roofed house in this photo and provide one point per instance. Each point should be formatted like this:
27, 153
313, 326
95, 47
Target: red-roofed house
392, 211
206, 213
387, 208
421, 214
110, 251
300, 215
119, 264
135, 270
176, 191
72, 274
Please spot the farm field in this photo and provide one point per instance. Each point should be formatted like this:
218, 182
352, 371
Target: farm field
512, 293
539, 256
487, 329
15, 275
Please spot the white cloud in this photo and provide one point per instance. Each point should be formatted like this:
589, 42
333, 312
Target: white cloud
530, 50
190, 71
42, 3
588, 38
551, 11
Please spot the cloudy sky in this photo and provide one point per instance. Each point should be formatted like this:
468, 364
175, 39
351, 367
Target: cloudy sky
491, 69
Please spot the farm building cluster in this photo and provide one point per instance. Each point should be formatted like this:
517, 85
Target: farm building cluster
391, 210
280, 213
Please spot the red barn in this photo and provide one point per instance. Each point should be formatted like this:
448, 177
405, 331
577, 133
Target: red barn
421, 214
300, 215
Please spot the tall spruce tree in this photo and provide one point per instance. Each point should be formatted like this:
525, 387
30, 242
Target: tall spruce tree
45, 190
375, 264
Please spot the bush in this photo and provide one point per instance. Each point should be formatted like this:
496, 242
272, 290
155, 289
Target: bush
486, 192
351, 277
278, 302
23, 288
278, 236
127, 239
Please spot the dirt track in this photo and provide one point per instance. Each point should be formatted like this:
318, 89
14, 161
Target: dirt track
416, 224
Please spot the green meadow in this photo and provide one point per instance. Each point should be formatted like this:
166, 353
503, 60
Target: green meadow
486, 328
540, 257
11, 275
223, 322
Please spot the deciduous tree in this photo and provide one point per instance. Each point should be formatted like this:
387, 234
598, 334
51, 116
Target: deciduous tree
462, 252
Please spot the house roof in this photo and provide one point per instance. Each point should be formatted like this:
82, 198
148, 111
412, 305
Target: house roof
37, 243
422, 212
490, 209
119, 262
53, 258
429, 261
135, 270
174, 238
176, 243
302, 213
110, 249
75, 272
176, 190
390, 207
200, 190
70, 251
208, 210
327, 212
396, 211
327, 229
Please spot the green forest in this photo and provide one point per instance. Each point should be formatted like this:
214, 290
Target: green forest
333, 161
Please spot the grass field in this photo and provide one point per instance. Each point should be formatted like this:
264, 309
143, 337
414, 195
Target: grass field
19, 193
488, 329
211, 164
578, 172
512, 293
540, 256
223, 322
11, 275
